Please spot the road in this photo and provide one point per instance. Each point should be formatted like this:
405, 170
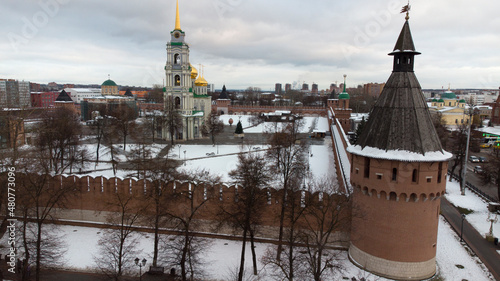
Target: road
485, 250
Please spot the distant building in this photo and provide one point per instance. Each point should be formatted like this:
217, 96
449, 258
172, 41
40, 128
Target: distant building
105, 105
43, 99
305, 87
15, 93
373, 89
451, 109
314, 88
53, 86
495, 113
340, 106
78, 94
288, 87
277, 89
109, 87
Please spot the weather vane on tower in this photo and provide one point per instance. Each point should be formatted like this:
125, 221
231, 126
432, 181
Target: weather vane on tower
406, 9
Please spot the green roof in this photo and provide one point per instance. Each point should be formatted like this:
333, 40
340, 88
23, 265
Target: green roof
109, 82
449, 95
440, 100
461, 101
344, 96
434, 100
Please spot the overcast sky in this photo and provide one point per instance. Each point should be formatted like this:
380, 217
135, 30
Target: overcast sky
246, 43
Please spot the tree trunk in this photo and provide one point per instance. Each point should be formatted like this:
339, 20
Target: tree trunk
157, 237
38, 252
282, 219
254, 256
242, 259
184, 254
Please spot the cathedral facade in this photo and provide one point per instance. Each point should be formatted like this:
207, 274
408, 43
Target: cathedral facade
184, 88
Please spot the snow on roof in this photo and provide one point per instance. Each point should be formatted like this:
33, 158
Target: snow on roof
399, 155
490, 130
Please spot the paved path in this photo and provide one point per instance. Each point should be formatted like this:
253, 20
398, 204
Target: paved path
486, 251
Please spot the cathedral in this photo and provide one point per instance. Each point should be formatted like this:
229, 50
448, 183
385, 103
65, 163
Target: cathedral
184, 87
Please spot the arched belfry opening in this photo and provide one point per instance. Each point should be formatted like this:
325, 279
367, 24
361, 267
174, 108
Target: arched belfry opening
177, 102
177, 59
177, 80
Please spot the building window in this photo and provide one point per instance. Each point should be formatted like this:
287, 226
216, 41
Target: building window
177, 102
394, 174
414, 176
367, 167
379, 176
440, 172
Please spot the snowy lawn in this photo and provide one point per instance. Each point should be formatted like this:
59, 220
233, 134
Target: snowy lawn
478, 217
222, 257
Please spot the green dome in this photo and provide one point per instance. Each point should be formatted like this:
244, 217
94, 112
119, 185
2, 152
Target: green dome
343, 96
449, 95
109, 82
434, 100
440, 100
461, 101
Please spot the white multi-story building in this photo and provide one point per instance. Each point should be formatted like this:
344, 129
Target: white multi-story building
78, 94
480, 98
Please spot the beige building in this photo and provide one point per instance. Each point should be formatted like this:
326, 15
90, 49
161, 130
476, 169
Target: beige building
452, 111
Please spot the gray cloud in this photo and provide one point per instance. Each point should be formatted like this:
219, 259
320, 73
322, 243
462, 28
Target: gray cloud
249, 43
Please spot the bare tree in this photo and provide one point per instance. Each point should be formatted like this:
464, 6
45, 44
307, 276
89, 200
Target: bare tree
324, 217
172, 118
59, 130
458, 145
189, 203
492, 169
117, 246
213, 126
251, 176
123, 122
38, 201
289, 162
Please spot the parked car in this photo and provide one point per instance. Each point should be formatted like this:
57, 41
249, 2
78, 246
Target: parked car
483, 159
473, 159
478, 170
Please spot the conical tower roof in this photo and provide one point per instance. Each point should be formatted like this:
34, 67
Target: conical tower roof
63, 97
223, 94
400, 125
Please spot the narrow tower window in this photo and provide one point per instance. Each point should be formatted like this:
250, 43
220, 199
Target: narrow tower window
177, 59
367, 167
177, 80
440, 172
394, 174
414, 176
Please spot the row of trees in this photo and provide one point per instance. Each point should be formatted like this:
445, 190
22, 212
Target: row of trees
305, 226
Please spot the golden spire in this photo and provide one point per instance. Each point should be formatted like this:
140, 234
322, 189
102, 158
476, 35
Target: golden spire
177, 18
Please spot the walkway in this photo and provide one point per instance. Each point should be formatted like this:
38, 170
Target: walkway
486, 251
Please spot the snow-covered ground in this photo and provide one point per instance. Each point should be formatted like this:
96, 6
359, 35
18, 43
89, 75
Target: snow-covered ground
222, 257
478, 217
309, 124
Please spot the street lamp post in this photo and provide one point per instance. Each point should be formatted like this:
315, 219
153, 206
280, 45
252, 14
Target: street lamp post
179, 146
462, 228
140, 264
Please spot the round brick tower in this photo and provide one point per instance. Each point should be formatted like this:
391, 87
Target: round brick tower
398, 171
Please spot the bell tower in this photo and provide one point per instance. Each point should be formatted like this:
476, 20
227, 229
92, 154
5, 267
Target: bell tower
398, 174
178, 69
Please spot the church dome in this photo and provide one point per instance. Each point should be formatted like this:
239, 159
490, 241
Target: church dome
461, 101
194, 72
434, 100
440, 100
344, 96
200, 81
109, 82
449, 95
